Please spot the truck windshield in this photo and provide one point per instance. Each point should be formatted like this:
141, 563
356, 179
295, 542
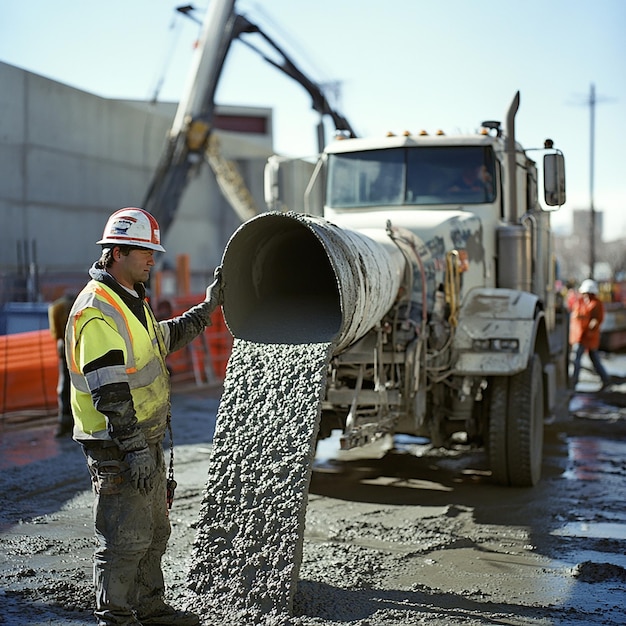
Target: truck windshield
410, 176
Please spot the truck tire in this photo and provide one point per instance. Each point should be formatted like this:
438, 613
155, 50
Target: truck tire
516, 412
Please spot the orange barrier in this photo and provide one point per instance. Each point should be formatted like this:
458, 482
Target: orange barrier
28, 371
220, 343
206, 357
29, 362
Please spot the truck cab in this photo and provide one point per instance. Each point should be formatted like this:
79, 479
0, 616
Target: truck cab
475, 342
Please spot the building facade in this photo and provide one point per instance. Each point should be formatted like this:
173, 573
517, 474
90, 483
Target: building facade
70, 158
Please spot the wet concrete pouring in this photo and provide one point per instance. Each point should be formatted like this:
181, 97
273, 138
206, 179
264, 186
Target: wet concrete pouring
412, 536
250, 531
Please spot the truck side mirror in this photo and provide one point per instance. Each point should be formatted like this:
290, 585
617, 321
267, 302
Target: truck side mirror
554, 179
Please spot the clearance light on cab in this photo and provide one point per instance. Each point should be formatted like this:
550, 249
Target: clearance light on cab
495, 345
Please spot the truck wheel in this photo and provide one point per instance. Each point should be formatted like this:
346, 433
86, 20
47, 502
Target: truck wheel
516, 427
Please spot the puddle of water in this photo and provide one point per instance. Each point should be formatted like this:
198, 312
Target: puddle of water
608, 405
21, 447
589, 556
591, 566
592, 530
593, 459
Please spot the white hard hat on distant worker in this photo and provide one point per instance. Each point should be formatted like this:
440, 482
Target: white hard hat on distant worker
589, 286
132, 227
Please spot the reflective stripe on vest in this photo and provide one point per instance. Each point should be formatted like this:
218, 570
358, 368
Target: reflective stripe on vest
112, 309
149, 384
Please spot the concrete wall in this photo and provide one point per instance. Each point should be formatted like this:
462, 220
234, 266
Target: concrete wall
69, 158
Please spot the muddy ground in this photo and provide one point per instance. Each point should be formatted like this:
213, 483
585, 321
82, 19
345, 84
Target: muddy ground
416, 536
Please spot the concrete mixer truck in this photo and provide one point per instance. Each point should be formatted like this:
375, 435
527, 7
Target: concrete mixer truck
432, 271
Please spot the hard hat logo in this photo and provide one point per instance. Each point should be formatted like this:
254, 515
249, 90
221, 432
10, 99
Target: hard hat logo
121, 227
132, 227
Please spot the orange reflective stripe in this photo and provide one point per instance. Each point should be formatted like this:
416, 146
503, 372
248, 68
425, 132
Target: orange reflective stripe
100, 298
105, 294
99, 291
74, 366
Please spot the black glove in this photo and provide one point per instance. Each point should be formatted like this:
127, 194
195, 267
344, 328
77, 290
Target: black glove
142, 468
215, 291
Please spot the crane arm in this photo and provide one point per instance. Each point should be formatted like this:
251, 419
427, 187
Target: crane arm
188, 139
288, 67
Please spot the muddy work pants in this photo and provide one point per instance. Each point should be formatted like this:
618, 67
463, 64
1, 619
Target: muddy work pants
132, 529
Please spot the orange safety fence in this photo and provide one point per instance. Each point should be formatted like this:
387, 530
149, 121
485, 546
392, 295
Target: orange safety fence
29, 362
28, 371
206, 357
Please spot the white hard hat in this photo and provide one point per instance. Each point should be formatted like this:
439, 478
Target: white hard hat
132, 227
589, 286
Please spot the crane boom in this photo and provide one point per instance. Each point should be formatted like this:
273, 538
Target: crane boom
188, 138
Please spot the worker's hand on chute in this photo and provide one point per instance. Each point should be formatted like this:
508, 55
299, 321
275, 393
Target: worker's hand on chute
215, 291
142, 469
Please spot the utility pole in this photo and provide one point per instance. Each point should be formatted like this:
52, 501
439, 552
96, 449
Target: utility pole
592, 211
592, 101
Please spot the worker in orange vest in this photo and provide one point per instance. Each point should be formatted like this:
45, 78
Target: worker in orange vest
585, 321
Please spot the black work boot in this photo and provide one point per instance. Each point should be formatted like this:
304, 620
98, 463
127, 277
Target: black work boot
169, 616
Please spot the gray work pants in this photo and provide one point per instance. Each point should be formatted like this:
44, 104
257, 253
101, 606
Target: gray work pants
594, 356
132, 529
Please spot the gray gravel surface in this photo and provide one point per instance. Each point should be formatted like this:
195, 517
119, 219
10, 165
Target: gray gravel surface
407, 536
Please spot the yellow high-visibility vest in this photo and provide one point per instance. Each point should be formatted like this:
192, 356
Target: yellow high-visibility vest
101, 322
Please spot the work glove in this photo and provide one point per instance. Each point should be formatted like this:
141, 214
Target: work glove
215, 291
142, 469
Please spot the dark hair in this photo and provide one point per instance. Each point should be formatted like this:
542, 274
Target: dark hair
106, 258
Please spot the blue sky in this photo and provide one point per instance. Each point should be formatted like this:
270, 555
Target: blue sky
400, 64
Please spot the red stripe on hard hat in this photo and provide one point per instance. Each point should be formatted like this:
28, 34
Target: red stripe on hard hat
113, 234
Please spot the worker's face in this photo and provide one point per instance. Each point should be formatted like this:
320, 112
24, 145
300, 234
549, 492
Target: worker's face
133, 267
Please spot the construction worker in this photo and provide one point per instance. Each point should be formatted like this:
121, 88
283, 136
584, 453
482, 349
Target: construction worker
116, 353
58, 312
587, 314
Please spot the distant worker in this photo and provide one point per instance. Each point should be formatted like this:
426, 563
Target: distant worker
116, 352
587, 315
58, 312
